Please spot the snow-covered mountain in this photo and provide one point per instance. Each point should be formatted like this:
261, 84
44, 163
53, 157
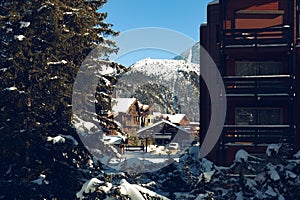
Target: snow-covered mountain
191, 55
170, 85
164, 68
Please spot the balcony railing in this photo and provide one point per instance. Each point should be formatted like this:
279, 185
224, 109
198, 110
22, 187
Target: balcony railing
265, 84
256, 37
256, 134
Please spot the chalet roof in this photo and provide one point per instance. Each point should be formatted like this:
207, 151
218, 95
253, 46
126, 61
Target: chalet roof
143, 107
176, 119
122, 105
161, 122
113, 139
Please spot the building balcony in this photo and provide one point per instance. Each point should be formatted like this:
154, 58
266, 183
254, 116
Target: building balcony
256, 134
272, 36
263, 84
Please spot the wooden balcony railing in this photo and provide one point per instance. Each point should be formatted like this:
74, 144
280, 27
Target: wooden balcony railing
257, 134
255, 37
265, 84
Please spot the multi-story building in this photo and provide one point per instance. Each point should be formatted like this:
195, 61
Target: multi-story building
255, 46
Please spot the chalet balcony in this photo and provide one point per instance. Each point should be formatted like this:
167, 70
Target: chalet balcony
263, 84
272, 36
256, 134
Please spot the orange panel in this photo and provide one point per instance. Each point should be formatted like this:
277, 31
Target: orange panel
261, 23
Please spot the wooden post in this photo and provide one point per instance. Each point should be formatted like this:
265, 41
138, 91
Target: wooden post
146, 144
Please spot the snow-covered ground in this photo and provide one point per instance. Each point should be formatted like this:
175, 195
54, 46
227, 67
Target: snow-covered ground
141, 162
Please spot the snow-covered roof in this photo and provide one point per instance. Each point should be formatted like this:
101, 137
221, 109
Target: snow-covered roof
113, 139
176, 119
161, 122
143, 107
122, 105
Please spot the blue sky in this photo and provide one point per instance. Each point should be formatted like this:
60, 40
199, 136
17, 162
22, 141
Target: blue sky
182, 16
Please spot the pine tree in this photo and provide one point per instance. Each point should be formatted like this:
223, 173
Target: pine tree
43, 44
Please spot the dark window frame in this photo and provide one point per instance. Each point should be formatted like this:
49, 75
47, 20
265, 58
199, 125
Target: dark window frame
258, 111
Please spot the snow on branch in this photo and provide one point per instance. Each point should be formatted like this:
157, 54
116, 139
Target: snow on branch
89, 187
57, 139
19, 37
24, 24
135, 191
62, 62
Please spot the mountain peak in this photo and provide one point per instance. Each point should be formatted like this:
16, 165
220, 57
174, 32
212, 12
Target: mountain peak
191, 55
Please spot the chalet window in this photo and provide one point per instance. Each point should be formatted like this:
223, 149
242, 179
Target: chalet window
258, 116
250, 68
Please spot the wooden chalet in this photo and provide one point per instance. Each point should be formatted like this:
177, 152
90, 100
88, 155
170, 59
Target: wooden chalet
255, 44
131, 114
163, 132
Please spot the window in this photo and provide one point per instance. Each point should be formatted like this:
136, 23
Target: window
258, 116
250, 68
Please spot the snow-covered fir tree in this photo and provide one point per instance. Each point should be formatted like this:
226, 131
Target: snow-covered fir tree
43, 44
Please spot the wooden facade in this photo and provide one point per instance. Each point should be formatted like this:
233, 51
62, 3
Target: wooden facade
131, 114
255, 45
